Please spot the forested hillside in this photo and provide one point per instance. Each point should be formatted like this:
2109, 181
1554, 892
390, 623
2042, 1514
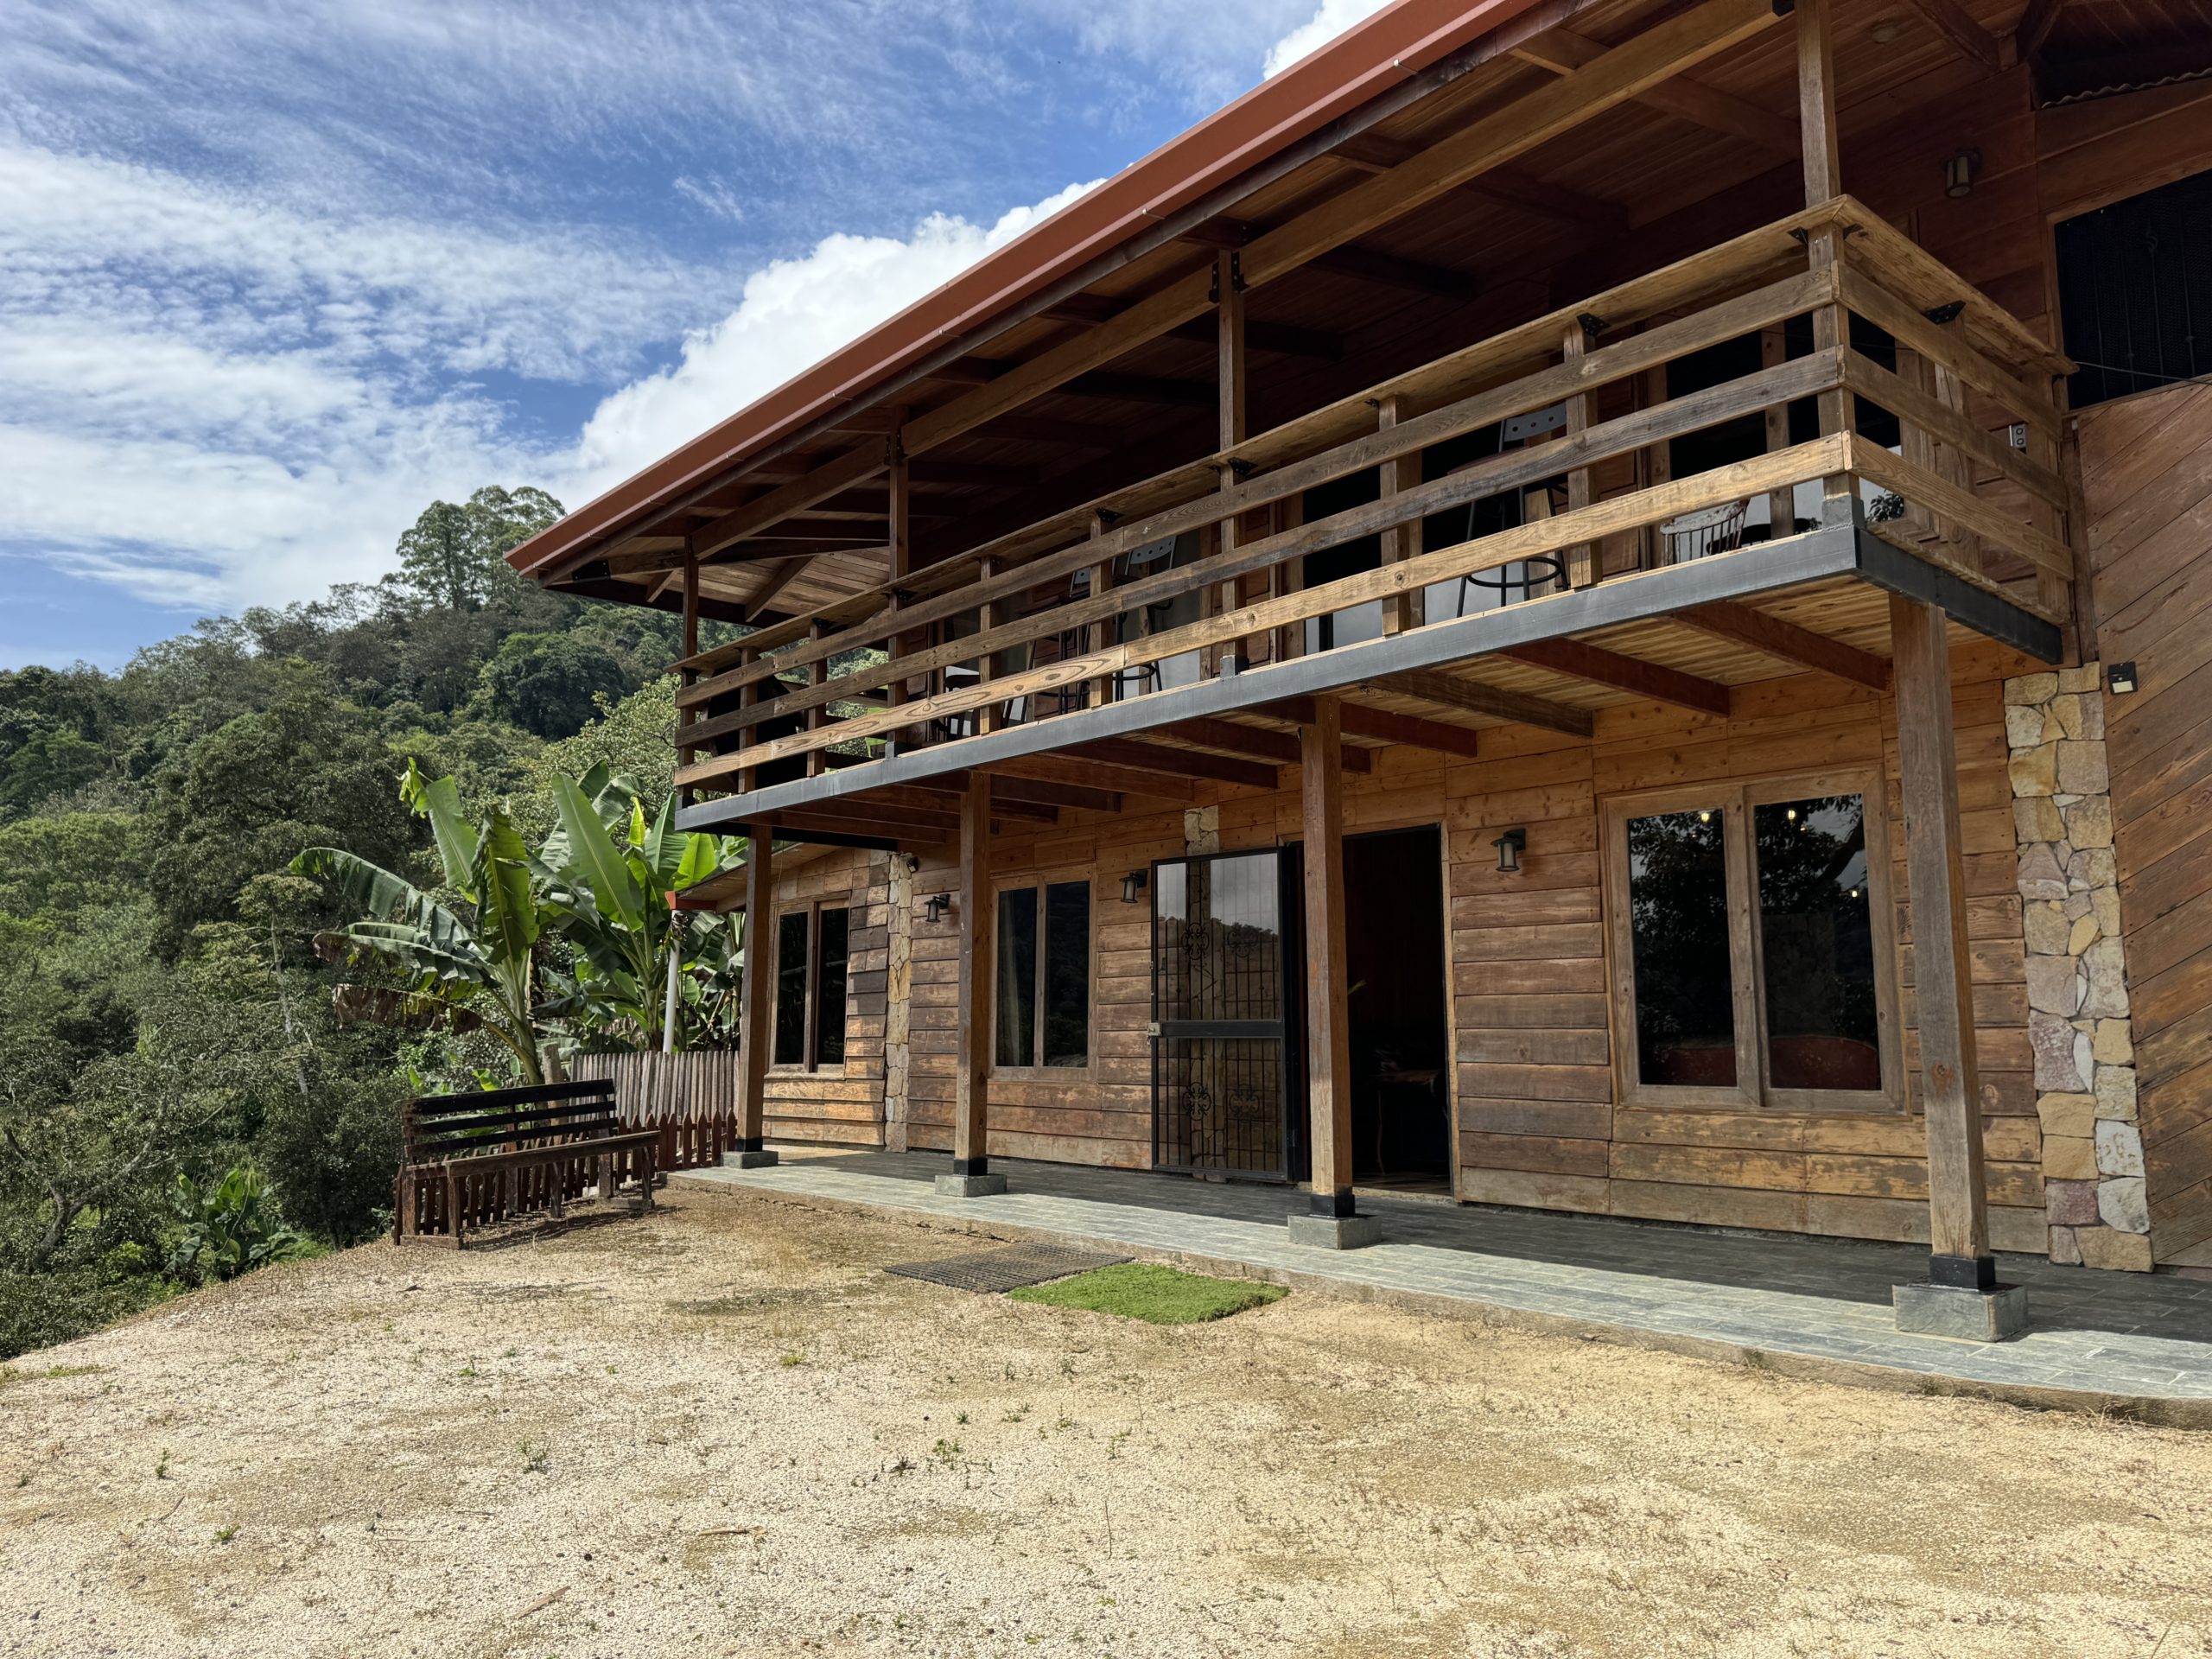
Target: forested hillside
165, 1019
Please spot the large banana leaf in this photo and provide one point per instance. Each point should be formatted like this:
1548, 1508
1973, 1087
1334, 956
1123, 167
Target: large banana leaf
373, 891
439, 800
593, 860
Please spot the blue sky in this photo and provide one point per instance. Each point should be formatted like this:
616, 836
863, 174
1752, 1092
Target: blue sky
273, 277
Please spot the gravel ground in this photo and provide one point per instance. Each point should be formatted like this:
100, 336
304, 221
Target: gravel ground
723, 1430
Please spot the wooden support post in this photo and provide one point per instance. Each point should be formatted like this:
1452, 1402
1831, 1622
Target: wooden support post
971, 1107
1228, 289
1781, 505
992, 716
1958, 1220
755, 1037
1582, 558
2053, 590
748, 696
1402, 611
1817, 90
899, 543
1328, 1028
1101, 631
818, 760
690, 677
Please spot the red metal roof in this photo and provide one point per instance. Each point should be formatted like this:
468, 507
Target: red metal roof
1393, 45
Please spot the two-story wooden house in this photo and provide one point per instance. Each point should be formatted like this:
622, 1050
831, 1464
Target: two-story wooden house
1595, 604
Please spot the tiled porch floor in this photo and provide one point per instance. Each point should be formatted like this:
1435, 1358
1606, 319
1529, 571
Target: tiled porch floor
2133, 1337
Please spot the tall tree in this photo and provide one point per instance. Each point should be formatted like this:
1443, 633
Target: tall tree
454, 557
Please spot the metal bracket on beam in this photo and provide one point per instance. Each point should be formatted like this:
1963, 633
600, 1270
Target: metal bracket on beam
1987, 614
1948, 312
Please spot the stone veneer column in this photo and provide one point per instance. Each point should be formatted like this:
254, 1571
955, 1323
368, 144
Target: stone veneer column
897, 1000
2077, 982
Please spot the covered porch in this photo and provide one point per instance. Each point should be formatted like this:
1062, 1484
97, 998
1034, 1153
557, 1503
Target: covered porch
1815, 1307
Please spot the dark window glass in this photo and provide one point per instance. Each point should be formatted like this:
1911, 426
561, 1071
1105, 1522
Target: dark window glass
1219, 939
1817, 942
2135, 290
1016, 969
1678, 910
791, 990
1067, 972
830, 991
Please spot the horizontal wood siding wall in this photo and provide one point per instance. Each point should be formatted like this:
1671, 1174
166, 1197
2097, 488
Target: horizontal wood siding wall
1537, 1120
841, 1105
2147, 473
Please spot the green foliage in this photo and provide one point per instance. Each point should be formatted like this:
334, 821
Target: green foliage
229, 1227
1158, 1295
551, 684
166, 1013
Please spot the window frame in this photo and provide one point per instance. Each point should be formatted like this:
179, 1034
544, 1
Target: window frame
1038, 882
1754, 1090
810, 1060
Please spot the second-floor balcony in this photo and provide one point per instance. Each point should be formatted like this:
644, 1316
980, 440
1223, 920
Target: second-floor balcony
1733, 460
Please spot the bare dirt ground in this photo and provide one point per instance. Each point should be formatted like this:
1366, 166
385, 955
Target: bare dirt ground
724, 1430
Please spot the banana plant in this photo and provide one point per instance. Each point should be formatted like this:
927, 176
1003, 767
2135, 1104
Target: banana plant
480, 972
608, 874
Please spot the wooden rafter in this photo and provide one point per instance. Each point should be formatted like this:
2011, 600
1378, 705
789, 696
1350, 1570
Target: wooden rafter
1562, 51
1385, 726
1506, 186
1449, 692
1771, 636
1953, 23
1252, 742
1090, 772
1595, 664
1178, 763
773, 582
2034, 27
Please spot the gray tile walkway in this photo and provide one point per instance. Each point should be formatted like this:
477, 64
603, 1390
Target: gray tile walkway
2136, 1341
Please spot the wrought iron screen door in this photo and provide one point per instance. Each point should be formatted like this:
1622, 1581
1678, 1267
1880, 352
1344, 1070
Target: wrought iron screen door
1225, 992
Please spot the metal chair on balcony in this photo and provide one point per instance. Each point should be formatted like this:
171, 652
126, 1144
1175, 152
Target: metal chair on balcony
1699, 534
1522, 578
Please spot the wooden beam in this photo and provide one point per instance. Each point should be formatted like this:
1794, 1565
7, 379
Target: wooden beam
2034, 27
1958, 1220
1428, 685
754, 1023
1561, 50
1286, 338
1786, 642
1252, 742
932, 801
1599, 666
1504, 187
834, 820
971, 1108
1067, 771
1113, 386
1178, 763
1357, 719
1953, 22
1328, 1023
773, 580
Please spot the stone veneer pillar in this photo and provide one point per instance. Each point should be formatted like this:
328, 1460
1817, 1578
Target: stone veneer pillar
2077, 981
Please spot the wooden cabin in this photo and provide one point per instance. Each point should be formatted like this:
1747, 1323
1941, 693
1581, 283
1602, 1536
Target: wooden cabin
1599, 605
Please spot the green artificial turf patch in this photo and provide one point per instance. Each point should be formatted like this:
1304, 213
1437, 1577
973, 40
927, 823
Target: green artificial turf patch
1140, 1290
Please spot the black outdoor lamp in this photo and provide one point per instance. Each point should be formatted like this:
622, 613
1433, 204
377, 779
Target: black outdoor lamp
1134, 886
1510, 847
935, 905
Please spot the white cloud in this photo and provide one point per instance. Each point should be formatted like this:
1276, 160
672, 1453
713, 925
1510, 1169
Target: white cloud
795, 312
1331, 19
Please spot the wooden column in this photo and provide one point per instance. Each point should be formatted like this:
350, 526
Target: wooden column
1401, 611
1229, 306
899, 543
1816, 85
1582, 558
1958, 1220
755, 1037
972, 1109
684, 716
1328, 1027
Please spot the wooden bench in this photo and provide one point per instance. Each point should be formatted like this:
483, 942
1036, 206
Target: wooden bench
469, 1160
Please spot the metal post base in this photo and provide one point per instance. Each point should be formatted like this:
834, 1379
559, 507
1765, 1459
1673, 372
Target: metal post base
759, 1158
1962, 1312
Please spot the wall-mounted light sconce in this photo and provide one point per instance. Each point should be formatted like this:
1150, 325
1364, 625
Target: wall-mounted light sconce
1134, 887
1510, 845
1960, 171
2120, 678
934, 907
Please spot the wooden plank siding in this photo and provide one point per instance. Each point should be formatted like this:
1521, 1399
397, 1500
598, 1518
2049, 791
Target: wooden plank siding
2146, 478
839, 1105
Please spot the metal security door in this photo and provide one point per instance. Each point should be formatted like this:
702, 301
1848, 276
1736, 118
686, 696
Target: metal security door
1225, 980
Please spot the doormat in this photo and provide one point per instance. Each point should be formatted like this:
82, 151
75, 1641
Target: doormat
1005, 1269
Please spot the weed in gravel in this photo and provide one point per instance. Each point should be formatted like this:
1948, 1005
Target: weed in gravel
536, 1456
789, 1360
10, 1374
945, 1450
224, 1535
162, 1469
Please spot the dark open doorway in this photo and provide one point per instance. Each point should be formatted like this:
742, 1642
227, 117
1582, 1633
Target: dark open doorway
1401, 1030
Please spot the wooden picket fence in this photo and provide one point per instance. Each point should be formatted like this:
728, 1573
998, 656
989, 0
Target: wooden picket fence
690, 1097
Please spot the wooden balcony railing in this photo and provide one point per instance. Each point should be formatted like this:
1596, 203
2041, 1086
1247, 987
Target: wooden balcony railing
1972, 483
